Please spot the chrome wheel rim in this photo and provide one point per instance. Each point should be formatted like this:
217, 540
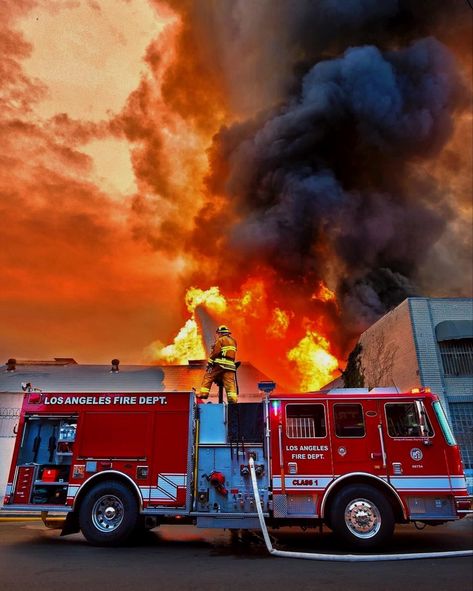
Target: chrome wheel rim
108, 513
362, 518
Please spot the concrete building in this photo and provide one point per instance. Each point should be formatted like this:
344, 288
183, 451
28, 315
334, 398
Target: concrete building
427, 342
66, 375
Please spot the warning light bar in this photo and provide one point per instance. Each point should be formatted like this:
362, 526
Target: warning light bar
422, 390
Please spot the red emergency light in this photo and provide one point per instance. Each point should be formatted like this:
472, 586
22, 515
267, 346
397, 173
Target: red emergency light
276, 407
34, 398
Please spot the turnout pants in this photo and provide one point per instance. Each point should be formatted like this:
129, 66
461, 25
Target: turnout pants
218, 375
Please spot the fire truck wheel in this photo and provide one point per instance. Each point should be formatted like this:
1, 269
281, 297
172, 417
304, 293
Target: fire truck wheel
108, 514
362, 517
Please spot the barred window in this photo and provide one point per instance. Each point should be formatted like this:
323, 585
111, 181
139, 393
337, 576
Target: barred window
305, 421
462, 423
457, 357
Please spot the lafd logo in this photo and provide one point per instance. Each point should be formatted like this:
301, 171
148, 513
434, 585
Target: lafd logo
416, 454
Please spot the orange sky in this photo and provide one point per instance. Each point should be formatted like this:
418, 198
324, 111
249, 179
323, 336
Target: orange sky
104, 139
75, 281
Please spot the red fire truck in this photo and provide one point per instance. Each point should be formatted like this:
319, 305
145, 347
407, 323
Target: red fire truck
358, 462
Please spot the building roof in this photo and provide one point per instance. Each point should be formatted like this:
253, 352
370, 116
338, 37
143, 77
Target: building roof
131, 378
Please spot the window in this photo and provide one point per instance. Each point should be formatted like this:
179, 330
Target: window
305, 421
349, 420
457, 357
408, 420
462, 422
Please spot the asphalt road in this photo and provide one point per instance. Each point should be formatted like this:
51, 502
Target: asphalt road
186, 558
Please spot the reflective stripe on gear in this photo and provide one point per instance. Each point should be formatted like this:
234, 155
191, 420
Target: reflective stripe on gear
220, 375
232, 397
228, 348
226, 363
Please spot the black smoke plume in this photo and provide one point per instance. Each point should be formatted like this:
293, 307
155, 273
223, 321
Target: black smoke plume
328, 184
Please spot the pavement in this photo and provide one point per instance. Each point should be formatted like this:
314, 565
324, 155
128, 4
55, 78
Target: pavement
183, 557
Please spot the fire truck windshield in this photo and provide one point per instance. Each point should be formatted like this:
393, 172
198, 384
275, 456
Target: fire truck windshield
442, 419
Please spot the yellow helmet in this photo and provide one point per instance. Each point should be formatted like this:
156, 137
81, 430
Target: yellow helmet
223, 329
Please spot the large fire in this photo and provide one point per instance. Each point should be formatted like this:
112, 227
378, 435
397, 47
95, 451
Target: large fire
300, 357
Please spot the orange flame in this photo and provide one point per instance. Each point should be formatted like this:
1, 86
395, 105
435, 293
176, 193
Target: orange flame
268, 336
188, 343
324, 294
313, 361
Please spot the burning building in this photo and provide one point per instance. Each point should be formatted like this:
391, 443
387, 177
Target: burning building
325, 198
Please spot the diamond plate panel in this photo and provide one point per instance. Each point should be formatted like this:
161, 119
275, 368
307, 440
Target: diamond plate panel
301, 504
280, 505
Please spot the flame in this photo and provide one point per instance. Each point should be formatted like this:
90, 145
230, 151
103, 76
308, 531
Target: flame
313, 361
211, 298
186, 345
296, 356
279, 324
324, 294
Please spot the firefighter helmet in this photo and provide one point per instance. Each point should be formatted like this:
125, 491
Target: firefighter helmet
223, 329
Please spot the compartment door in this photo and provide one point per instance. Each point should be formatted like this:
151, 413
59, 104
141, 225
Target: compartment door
169, 464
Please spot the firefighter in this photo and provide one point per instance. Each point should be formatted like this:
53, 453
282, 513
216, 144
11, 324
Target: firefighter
221, 366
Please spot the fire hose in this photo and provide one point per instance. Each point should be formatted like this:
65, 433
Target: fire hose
340, 557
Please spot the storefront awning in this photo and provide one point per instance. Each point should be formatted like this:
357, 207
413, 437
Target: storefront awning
450, 330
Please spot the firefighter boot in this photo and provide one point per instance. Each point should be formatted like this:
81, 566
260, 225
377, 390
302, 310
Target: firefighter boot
232, 397
203, 394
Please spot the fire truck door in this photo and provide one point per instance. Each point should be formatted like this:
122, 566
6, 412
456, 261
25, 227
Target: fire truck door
169, 465
413, 458
355, 437
301, 448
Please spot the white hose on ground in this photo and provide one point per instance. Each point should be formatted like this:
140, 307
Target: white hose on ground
340, 557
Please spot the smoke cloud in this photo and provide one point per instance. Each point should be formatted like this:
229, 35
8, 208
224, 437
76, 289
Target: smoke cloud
308, 143
330, 183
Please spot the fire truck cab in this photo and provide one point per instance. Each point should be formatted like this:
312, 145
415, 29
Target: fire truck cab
358, 462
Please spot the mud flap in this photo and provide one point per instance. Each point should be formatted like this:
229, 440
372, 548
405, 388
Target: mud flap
71, 525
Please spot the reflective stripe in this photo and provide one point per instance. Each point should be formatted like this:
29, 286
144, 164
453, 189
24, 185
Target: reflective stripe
167, 485
407, 483
72, 490
229, 348
223, 361
205, 389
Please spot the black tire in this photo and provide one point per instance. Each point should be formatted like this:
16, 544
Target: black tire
109, 514
362, 517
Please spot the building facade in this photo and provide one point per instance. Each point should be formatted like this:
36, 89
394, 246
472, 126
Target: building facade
427, 342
